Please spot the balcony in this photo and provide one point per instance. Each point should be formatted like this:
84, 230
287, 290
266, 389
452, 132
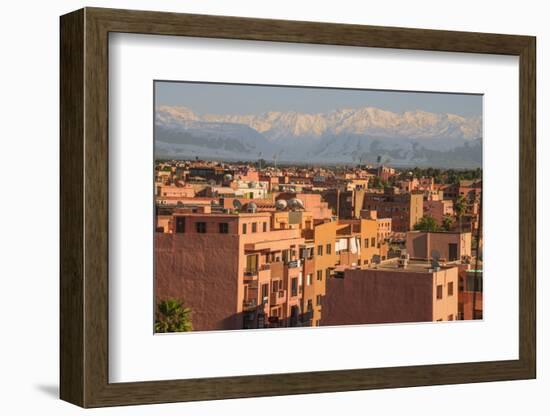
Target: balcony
250, 275
249, 304
292, 264
277, 298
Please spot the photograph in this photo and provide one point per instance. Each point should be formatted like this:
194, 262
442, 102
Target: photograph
296, 207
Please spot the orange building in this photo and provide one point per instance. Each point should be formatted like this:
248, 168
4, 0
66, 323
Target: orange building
405, 210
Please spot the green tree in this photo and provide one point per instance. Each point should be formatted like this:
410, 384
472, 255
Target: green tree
460, 209
378, 183
447, 222
172, 316
426, 223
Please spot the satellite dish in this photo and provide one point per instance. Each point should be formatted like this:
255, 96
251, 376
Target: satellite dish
281, 204
252, 207
435, 259
228, 177
237, 204
294, 203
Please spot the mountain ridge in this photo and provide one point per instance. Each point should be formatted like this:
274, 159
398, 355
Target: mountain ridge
344, 135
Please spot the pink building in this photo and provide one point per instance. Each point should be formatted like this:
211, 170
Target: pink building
233, 270
176, 191
312, 203
392, 294
451, 246
438, 209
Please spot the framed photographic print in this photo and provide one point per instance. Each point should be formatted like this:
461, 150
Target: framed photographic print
255, 207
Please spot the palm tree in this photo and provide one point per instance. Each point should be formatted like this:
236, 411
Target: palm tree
460, 210
172, 316
447, 222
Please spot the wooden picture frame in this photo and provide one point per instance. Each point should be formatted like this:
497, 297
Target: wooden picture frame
84, 207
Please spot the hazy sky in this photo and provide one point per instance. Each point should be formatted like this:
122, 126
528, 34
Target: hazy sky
205, 98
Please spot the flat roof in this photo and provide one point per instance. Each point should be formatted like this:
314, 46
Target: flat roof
418, 266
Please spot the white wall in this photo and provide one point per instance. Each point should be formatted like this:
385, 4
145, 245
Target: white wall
29, 231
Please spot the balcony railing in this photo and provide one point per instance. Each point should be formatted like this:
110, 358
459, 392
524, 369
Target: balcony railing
277, 298
292, 264
250, 304
250, 274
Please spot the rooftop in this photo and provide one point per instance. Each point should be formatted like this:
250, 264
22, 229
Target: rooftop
418, 266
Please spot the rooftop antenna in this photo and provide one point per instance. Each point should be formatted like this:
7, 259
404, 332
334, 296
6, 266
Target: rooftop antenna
260, 160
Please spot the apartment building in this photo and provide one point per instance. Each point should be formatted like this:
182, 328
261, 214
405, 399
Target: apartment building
233, 270
392, 293
404, 209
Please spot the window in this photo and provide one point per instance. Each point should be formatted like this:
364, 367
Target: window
309, 305
294, 287
252, 263
359, 262
244, 228
180, 224
366, 243
373, 241
319, 275
264, 227
329, 248
265, 291
286, 256
309, 277
327, 274
254, 227
439, 293
224, 227
201, 227
450, 289
277, 285
450, 318
318, 300
319, 250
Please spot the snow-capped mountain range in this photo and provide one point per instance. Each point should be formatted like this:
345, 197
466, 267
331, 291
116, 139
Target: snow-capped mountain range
341, 136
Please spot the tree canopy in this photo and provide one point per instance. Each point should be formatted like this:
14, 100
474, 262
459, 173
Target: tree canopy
427, 223
172, 316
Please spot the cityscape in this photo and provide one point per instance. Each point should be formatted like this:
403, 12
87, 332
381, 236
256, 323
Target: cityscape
254, 231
